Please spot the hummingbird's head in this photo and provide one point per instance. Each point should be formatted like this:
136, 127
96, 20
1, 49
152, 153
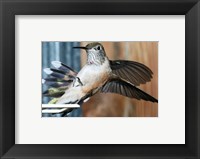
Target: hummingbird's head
95, 53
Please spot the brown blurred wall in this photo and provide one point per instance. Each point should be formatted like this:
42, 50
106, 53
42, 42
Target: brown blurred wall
112, 105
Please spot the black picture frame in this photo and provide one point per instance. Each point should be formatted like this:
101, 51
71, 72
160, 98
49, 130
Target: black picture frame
189, 8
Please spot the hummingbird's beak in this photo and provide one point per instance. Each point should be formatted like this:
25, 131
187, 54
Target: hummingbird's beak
80, 47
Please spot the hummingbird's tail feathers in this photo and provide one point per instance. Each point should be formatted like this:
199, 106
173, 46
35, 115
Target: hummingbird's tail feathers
132, 71
124, 88
56, 83
54, 92
58, 74
59, 80
62, 67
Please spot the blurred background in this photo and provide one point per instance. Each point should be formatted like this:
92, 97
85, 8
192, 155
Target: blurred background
107, 104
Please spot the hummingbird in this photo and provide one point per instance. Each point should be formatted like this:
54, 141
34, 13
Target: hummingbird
100, 74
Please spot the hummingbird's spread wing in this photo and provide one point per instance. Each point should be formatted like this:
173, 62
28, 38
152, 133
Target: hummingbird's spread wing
61, 76
125, 88
132, 71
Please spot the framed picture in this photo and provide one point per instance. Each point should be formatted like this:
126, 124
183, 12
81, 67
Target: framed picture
145, 57
113, 97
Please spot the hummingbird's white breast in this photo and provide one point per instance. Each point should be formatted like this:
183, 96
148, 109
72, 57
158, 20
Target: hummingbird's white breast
94, 76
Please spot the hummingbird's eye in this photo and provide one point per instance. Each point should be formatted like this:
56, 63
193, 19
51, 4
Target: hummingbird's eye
98, 47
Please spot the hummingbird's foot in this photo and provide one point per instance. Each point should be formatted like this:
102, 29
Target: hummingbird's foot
77, 82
